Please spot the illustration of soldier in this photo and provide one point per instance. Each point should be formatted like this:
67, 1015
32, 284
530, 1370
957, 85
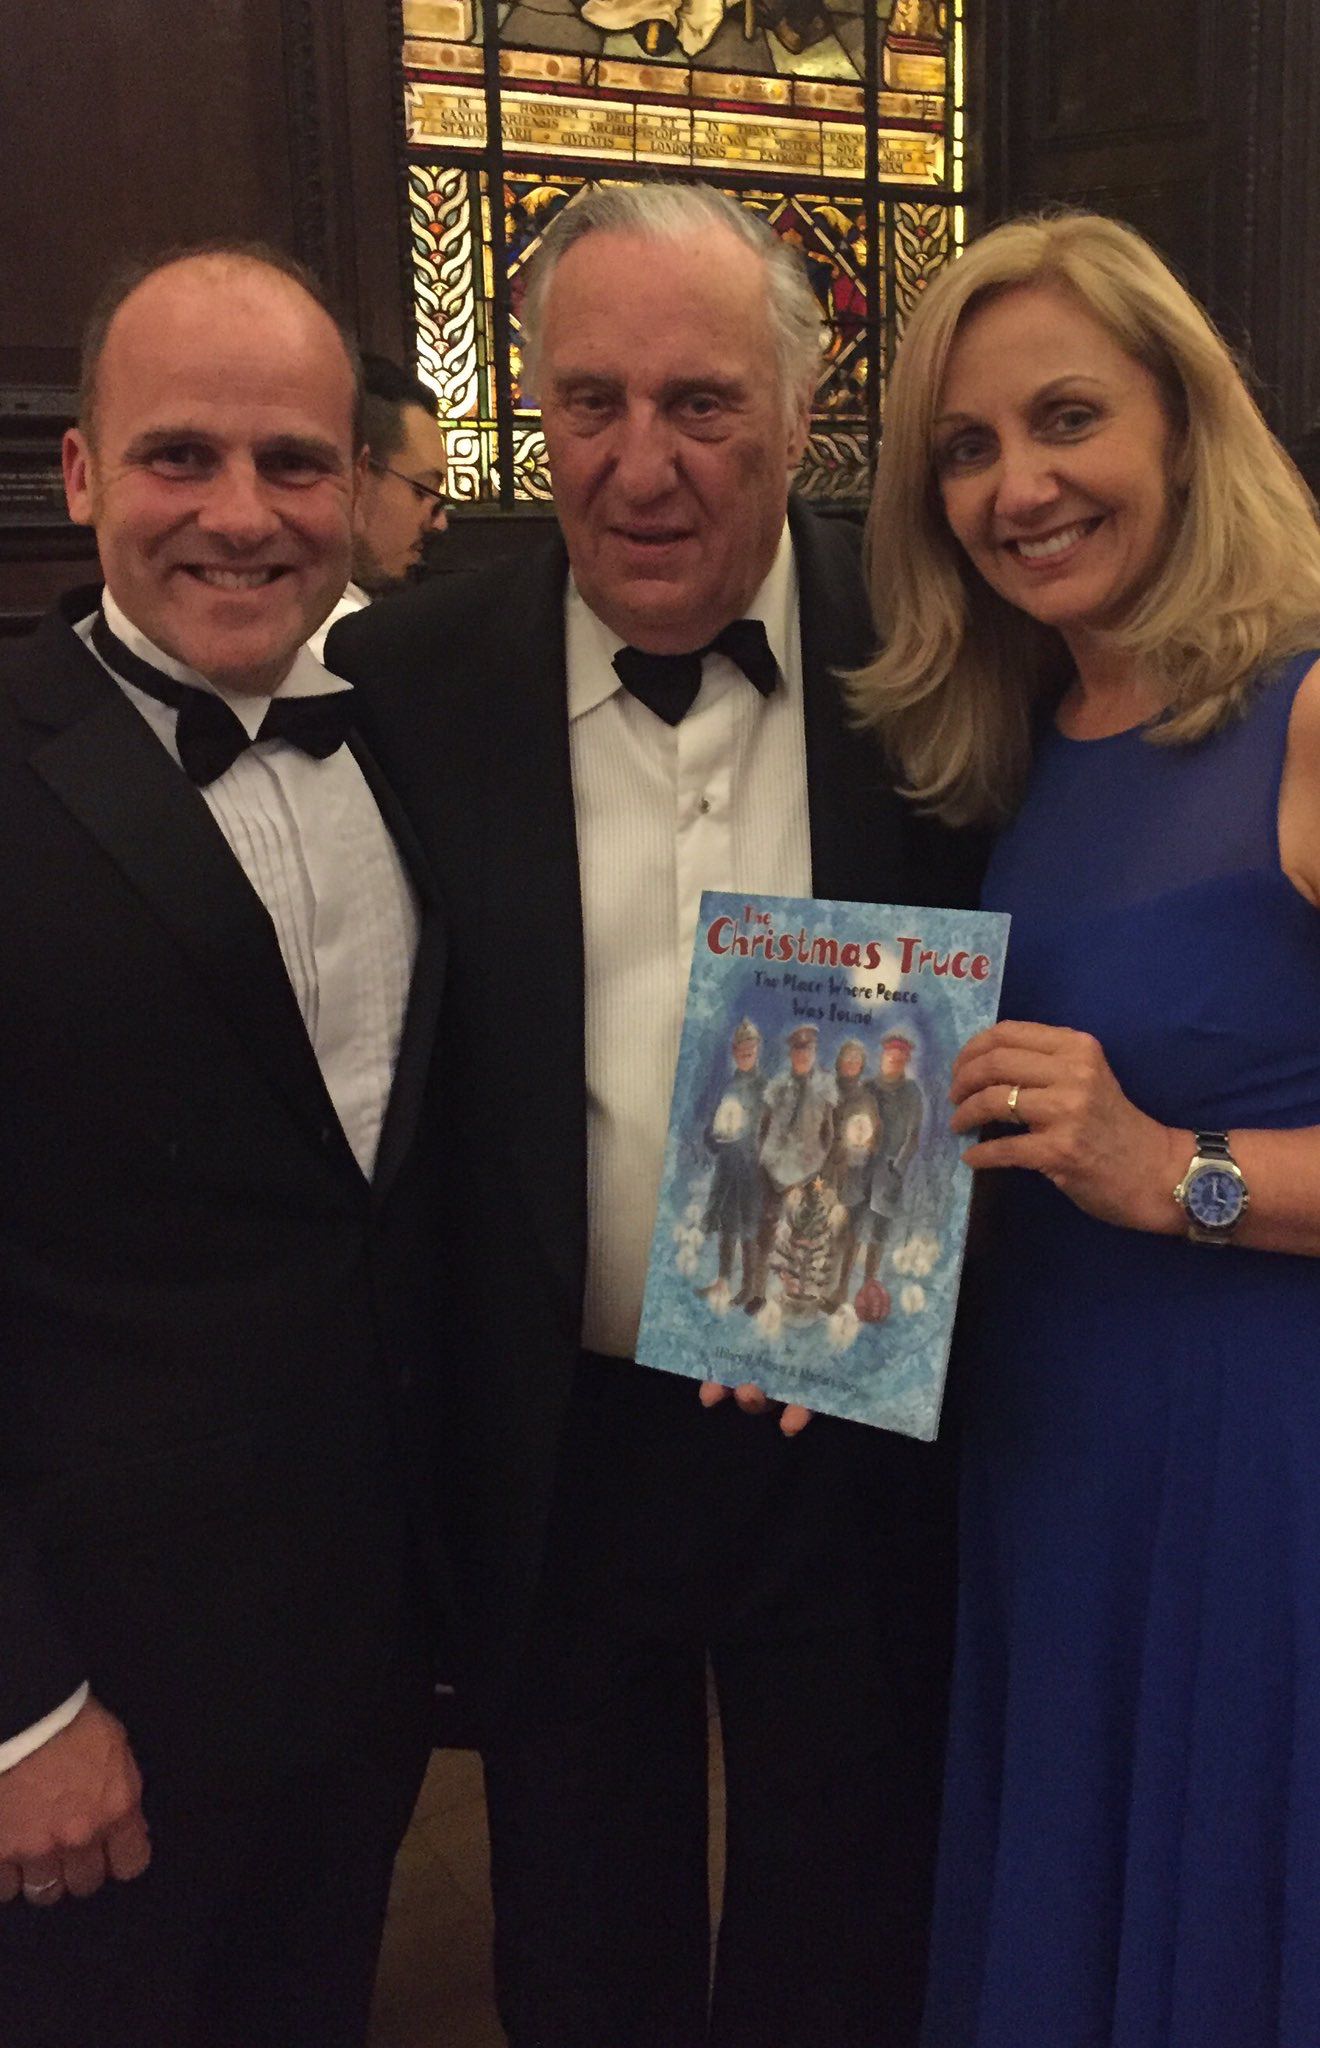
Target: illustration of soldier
901, 1105
733, 1210
797, 1132
849, 1166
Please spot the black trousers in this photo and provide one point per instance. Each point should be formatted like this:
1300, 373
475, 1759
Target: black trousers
257, 1923
682, 1535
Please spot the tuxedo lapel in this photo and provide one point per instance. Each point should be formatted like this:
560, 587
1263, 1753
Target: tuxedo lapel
533, 910
857, 823
115, 779
417, 1041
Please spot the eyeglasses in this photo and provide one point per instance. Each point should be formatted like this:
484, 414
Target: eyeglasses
422, 492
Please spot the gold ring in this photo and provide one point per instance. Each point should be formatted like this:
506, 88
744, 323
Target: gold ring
1013, 1109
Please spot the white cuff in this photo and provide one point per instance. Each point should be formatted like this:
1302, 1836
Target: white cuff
23, 1744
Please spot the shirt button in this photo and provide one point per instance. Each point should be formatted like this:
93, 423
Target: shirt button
704, 805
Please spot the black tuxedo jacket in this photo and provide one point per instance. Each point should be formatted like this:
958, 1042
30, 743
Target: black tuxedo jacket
213, 1331
465, 699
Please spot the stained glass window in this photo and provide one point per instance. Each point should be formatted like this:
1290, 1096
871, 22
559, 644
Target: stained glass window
840, 121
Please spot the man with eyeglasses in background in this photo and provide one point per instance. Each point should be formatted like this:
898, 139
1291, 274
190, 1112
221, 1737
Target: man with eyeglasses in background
401, 499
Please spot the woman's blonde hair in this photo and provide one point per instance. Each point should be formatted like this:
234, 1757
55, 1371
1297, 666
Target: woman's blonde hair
961, 675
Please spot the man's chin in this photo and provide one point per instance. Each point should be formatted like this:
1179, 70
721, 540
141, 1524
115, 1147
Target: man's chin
252, 664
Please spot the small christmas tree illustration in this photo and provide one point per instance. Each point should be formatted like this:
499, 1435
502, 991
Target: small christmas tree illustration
807, 1253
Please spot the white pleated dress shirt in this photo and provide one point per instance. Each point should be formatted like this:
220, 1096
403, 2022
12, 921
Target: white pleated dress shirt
718, 801
311, 841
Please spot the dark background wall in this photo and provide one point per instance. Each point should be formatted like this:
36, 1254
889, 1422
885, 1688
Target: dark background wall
126, 124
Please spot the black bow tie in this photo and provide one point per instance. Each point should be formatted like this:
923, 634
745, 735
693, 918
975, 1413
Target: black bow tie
209, 736
668, 683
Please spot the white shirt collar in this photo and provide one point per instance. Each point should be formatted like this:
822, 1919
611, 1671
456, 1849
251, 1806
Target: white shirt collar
593, 646
306, 677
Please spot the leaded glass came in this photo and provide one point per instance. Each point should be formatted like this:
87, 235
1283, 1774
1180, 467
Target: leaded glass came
514, 106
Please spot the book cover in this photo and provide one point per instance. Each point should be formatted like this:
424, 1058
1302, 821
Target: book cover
813, 1206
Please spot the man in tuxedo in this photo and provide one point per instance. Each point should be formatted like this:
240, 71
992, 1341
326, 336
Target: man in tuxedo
401, 505
613, 1531
215, 1564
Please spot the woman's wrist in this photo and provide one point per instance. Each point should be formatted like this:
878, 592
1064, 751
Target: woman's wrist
1171, 1154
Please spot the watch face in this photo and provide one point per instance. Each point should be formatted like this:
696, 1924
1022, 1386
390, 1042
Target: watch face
1214, 1198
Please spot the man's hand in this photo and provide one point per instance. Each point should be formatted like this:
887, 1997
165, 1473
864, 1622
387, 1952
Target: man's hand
71, 1813
792, 1421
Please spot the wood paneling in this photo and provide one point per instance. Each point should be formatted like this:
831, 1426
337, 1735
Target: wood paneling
127, 125
1199, 122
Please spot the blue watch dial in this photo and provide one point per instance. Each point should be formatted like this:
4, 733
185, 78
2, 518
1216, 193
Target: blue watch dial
1214, 1198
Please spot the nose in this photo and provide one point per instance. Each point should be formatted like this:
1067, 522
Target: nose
645, 453
1026, 484
439, 516
236, 506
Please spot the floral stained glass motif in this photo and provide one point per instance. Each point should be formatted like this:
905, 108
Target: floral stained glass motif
839, 121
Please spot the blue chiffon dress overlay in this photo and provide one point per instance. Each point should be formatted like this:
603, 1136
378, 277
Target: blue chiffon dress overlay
1131, 1845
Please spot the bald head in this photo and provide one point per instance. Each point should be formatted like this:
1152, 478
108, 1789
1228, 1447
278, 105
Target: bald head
238, 254
219, 467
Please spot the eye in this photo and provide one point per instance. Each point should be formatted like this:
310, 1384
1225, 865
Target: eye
179, 459
1073, 416
699, 412
588, 405
963, 451
293, 466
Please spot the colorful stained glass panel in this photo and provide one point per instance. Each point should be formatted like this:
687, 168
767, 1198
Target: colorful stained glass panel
766, 99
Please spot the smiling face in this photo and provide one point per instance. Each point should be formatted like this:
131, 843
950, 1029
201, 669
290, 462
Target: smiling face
667, 431
1052, 449
219, 473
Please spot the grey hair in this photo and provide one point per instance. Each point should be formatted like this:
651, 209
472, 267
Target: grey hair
679, 213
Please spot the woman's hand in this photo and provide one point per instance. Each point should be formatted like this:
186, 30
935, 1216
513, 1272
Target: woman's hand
792, 1420
1078, 1127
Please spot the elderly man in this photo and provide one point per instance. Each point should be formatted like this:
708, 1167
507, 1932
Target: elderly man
614, 1532
401, 495
213, 1550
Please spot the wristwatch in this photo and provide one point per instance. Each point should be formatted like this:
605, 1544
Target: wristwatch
1213, 1191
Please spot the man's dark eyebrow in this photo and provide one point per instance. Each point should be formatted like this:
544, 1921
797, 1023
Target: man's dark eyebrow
310, 445
165, 437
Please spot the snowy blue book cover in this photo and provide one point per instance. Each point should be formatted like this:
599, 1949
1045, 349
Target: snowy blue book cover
813, 1207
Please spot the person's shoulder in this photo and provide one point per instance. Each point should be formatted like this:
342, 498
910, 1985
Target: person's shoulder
825, 541
1297, 704
452, 618
28, 660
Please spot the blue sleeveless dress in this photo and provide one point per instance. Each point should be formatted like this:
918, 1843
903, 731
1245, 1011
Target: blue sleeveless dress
1131, 1846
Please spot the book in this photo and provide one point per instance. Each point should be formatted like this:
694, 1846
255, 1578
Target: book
813, 1206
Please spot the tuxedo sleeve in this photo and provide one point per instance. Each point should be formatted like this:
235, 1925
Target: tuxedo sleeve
39, 1667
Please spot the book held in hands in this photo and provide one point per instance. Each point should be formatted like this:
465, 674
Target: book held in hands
813, 1206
